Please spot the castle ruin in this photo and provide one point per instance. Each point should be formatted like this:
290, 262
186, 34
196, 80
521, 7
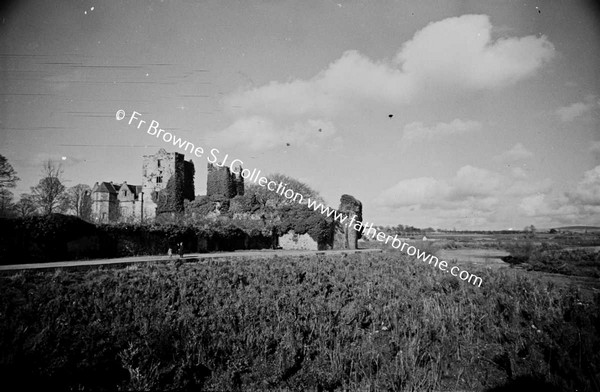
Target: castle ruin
167, 180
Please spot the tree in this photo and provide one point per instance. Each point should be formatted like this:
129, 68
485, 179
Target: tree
6, 205
530, 230
269, 198
80, 201
49, 194
25, 206
8, 175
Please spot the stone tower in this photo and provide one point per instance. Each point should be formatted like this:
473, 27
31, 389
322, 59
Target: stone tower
167, 180
348, 238
220, 182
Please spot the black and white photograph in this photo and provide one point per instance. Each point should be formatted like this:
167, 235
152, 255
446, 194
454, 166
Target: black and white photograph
300, 195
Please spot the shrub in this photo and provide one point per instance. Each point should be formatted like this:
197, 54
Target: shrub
41, 238
303, 220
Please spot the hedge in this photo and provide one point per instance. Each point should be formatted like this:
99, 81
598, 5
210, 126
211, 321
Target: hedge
60, 237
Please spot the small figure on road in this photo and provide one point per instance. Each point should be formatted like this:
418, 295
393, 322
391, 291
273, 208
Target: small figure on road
170, 253
181, 250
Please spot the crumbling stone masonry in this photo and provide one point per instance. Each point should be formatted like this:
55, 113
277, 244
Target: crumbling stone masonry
167, 180
347, 237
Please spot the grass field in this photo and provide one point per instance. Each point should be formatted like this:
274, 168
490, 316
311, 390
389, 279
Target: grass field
361, 322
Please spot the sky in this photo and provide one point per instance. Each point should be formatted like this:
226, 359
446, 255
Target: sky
457, 114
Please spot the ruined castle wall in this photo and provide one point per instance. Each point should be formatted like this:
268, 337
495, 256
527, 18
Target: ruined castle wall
239, 184
188, 183
346, 237
219, 182
157, 170
293, 241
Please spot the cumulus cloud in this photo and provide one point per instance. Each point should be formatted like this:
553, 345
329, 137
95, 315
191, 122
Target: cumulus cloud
471, 195
522, 187
470, 183
474, 182
555, 209
571, 112
587, 191
518, 172
481, 197
417, 131
533, 204
460, 51
579, 206
454, 54
517, 153
414, 191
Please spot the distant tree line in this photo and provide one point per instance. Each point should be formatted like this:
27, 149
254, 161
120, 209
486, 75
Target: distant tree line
49, 196
407, 230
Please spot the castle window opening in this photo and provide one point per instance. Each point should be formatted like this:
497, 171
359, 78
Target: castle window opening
158, 163
159, 180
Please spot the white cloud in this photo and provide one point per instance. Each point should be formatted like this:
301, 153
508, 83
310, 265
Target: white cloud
470, 183
454, 54
517, 153
417, 131
475, 182
554, 210
518, 172
478, 197
587, 192
580, 206
578, 109
473, 196
522, 187
460, 51
414, 191
569, 113
533, 204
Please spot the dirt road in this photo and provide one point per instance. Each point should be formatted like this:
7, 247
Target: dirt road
125, 261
